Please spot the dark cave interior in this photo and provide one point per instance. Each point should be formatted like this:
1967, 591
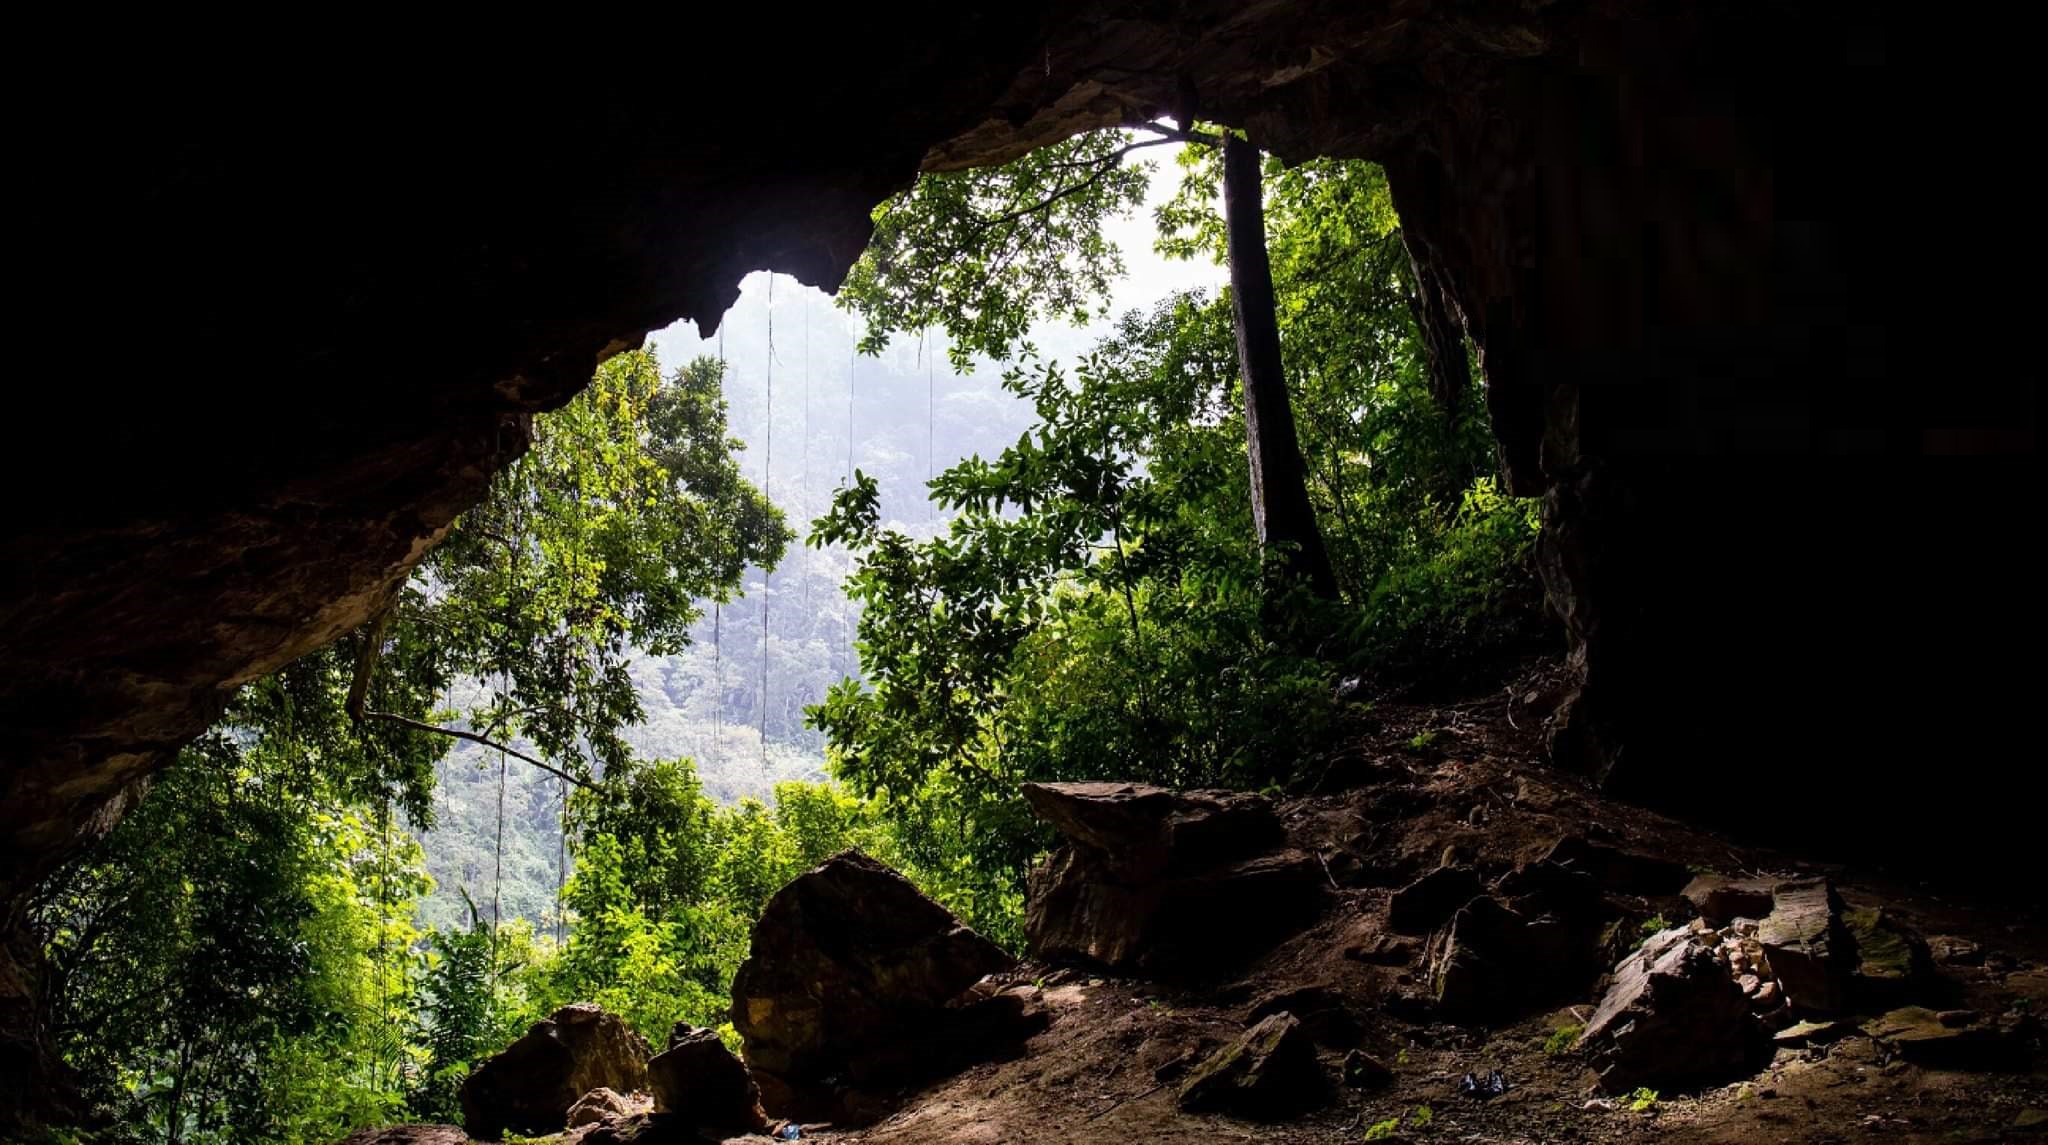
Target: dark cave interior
1791, 570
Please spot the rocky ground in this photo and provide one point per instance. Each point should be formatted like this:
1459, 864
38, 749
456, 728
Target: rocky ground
1334, 965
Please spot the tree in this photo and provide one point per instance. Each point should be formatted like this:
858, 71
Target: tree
1280, 506
976, 253
628, 512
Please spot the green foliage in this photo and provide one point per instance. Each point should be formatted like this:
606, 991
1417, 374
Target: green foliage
984, 253
233, 961
628, 512
237, 961
1098, 606
1383, 1130
1562, 1039
1642, 1100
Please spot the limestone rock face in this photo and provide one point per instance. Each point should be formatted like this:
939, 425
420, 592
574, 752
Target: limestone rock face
1671, 1016
1271, 1071
857, 983
1163, 882
530, 1085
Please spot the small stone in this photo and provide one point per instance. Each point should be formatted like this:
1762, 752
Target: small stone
1767, 995
1750, 984
1364, 1071
1952, 951
1956, 1019
2031, 1120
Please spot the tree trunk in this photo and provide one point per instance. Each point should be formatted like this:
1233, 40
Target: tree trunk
1280, 506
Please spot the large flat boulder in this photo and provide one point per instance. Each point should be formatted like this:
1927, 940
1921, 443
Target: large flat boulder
857, 984
529, 1086
1146, 876
1671, 1016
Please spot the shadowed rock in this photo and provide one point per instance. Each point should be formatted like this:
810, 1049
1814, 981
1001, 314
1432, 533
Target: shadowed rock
1424, 904
529, 1087
1493, 962
1672, 1015
696, 1079
1271, 1071
852, 988
1147, 874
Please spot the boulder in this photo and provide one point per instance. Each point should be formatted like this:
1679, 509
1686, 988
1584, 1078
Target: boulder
1891, 959
1617, 870
407, 1135
698, 1080
1146, 875
1143, 831
1492, 962
1805, 945
1671, 1016
1270, 1071
1721, 900
602, 1104
1424, 904
845, 994
530, 1085
1952, 1039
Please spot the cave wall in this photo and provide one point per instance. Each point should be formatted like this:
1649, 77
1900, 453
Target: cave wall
293, 307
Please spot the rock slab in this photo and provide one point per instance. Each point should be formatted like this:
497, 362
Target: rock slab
853, 987
1672, 1016
1270, 1071
529, 1086
1805, 945
1146, 874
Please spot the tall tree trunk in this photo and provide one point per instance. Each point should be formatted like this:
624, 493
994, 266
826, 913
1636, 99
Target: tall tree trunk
1280, 505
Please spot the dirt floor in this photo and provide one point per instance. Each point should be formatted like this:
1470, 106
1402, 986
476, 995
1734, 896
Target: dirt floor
1419, 781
